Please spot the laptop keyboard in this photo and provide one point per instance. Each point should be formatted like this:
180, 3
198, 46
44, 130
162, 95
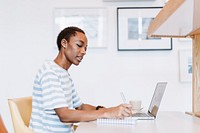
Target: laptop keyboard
140, 115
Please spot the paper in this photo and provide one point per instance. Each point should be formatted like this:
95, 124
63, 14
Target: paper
126, 121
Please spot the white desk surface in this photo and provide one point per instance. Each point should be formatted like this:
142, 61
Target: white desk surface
166, 122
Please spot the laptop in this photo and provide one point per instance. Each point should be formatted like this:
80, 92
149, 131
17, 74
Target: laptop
154, 105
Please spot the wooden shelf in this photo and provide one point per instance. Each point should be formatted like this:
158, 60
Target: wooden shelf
181, 18
174, 20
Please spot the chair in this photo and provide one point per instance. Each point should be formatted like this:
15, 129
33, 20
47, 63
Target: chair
20, 109
2, 126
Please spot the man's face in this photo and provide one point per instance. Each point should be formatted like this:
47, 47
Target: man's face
76, 48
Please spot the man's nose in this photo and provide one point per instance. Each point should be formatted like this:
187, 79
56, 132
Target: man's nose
83, 51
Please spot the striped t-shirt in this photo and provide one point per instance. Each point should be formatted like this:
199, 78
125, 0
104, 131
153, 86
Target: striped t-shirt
53, 88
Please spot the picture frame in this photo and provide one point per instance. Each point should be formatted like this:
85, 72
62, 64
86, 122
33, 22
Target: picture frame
132, 27
185, 59
91, 20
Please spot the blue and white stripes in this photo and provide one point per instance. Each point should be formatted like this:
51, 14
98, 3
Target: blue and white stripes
53, 88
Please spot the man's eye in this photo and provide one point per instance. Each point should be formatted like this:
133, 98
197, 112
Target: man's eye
78, 45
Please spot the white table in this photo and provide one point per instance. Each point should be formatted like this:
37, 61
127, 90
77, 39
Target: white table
166, 122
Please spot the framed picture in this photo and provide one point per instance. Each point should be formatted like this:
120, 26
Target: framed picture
132, 27
91, 20
185, 57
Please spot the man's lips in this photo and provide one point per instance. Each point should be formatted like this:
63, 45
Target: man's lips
79, 58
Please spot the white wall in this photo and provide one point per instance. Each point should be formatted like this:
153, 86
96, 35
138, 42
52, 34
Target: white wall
26, 40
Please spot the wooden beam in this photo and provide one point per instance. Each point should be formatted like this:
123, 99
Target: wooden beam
196, 74
170, 7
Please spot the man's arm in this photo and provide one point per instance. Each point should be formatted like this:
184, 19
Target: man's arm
89, 113
88, 107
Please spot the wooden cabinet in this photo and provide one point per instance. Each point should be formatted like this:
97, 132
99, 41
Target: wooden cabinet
181, 18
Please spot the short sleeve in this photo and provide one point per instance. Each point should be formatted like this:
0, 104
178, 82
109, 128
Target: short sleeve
76, 99
53, 95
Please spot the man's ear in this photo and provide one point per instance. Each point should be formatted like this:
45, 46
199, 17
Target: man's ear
64, 43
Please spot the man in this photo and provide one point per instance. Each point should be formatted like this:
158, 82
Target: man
56, 104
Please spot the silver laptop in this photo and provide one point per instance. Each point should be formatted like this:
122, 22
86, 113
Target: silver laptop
154, 105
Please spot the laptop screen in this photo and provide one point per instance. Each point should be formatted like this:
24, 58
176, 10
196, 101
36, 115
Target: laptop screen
157, 97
